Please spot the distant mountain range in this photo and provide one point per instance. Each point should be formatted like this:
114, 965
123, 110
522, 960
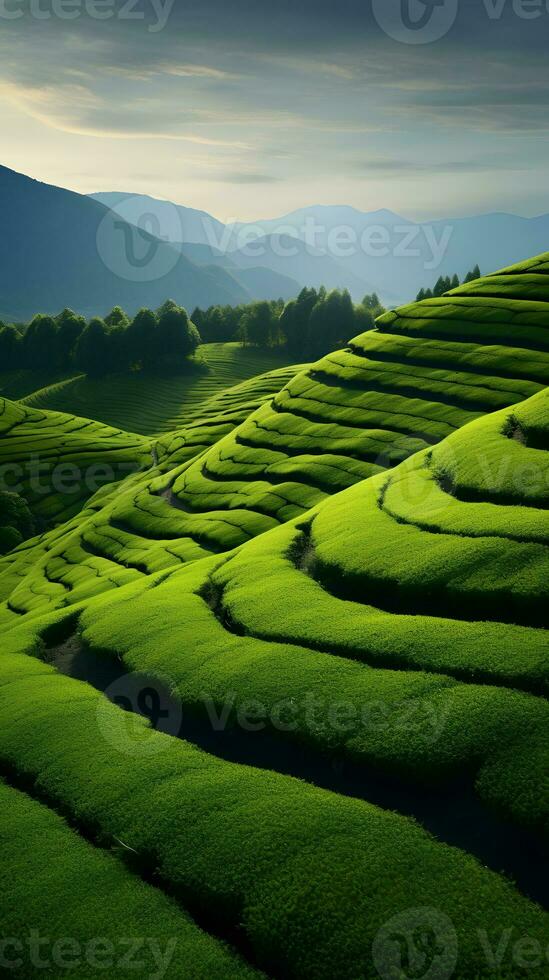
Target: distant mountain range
398, 257
341, 246
59, 248
62, 249
206, 241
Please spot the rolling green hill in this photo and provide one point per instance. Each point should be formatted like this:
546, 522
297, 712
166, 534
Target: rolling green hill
145, 403
324, 608
57, 461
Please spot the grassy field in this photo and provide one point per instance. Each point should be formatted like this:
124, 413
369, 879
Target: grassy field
323, 605
140, 403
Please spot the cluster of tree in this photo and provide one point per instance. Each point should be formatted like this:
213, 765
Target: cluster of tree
319, 321
16, 522
311, 325
151, 341
222, 324
445, 283
45, 341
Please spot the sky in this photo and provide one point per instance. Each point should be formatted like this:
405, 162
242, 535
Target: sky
252, 108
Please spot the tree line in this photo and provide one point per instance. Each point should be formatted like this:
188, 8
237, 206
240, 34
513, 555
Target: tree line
445, 283
152, 341
316, 322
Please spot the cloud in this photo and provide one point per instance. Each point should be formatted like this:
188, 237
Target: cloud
312, 91
197, 71
237, 177
74, 109
391, 167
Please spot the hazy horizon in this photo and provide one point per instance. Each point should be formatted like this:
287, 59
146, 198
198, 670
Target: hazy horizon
307, 206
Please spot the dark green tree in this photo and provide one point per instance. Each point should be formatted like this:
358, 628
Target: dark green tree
294, 322
119, 355
331, 323
69, 328
93, 349
214, 326
472, 275
16, 521
175, 338
373, 303
259, 325
10, 347
117, 318
364, 319
140, 341
40, 342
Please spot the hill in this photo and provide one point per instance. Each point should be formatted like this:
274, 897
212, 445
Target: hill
195, 234
273, 265
325, 608
57, 461
343, 247
400, 256
63, 249
178, 223
143, 403
396, 391
289, 256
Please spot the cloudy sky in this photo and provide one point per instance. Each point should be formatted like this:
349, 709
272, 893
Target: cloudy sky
252, 108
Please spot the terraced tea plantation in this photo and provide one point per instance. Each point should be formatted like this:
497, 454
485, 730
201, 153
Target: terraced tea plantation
141, 403
275, 703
